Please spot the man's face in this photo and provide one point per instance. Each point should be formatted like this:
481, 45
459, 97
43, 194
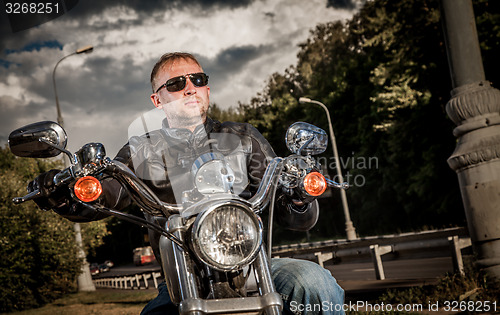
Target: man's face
188, 107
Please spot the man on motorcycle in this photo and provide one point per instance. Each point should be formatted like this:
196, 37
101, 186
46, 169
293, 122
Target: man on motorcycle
180, 89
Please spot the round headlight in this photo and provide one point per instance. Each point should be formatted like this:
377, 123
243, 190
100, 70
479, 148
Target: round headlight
227, 237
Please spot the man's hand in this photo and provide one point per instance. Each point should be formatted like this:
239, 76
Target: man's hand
50, 195
298, 203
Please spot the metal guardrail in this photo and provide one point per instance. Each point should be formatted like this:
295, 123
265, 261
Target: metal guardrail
137, 281
363, 242
446, 242
366, 248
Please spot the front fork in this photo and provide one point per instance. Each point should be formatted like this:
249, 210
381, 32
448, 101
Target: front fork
183, 287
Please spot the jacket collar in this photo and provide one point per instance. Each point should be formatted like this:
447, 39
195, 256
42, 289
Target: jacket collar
207, 127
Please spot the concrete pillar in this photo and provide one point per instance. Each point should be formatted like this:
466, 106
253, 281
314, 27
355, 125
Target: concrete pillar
85, 282
475, 108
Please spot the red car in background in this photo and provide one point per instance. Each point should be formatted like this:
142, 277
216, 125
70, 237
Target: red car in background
144, 256
94, 269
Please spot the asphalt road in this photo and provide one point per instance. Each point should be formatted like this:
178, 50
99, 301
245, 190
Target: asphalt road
359, 281
422, 268
355, 278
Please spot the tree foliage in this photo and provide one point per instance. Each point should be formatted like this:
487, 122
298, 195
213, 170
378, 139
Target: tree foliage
384, 77
39, 255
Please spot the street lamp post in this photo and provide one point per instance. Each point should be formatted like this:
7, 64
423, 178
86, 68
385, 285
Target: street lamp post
86, 50
84, 279
349, 227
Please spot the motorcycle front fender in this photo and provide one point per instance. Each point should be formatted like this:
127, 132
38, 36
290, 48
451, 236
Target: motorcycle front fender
170, 269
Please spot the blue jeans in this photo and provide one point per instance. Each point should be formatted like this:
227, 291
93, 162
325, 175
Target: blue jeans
305, 287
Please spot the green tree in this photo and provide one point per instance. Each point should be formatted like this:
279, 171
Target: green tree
39, 255
384, 77
229, 114
408, 130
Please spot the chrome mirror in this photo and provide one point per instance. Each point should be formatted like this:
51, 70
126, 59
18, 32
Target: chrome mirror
303, 138
39, 140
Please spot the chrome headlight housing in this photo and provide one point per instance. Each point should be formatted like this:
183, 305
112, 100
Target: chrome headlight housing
227, 236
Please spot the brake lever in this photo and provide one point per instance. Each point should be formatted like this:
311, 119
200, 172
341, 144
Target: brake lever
30, 196
63, 177
344, 185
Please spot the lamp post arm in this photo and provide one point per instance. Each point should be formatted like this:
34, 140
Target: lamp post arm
59, 115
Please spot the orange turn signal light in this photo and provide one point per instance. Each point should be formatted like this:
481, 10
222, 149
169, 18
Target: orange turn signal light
88, 189
315, 184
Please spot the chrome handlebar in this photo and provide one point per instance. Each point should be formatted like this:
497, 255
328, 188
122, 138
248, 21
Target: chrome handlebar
331, 183
150, 202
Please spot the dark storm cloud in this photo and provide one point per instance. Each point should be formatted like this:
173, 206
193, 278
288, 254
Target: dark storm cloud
154, 5
235, 58
20, 20
24, 113
37, 46
108, 85
6, 34
238, 43
230, 61
342, 4
87, 8
204, 4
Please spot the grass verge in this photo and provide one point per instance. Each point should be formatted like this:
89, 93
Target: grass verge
102, 301
472, 293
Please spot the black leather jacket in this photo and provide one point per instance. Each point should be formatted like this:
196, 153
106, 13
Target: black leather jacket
163, 157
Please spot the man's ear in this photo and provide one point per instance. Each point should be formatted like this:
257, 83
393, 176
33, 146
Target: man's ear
156, 100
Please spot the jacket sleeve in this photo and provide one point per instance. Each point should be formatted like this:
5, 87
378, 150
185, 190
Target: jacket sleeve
289, 215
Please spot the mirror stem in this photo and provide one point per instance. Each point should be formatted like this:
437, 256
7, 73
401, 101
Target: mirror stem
47, 141
299, 152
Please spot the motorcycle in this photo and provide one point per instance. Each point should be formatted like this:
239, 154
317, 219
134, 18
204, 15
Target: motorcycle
212, 249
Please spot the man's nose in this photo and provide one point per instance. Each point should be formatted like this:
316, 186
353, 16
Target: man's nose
190, 88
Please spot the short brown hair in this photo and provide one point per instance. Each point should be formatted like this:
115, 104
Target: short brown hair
169, 58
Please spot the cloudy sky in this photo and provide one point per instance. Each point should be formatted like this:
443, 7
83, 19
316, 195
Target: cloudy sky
239, 44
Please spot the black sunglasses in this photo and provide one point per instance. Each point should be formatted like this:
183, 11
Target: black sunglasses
179, 83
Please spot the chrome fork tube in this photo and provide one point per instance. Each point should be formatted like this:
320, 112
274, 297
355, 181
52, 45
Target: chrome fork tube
187, 279
266, 285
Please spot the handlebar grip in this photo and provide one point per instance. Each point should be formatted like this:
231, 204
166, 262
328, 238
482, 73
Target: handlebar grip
63, 177
32, 195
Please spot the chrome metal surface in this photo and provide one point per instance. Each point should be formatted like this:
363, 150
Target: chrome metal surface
224, 207
269, 182
26, 141
303, 138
